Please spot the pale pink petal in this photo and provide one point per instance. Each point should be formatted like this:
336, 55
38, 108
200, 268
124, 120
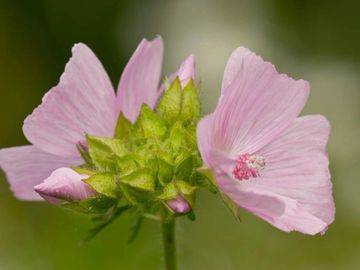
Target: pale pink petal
65, 184
256, 105
179, 205
282, 212
139, 82
27, 166
204, 138
83, 101
296, 174
187, 70
297, 166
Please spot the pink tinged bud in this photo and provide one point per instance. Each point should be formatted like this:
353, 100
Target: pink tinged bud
179, 205
187, 70
249, 166
65, 184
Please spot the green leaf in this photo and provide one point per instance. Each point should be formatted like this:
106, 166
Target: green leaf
152, 124
103, 183
123, 127
169, 105
103, 151
191, 108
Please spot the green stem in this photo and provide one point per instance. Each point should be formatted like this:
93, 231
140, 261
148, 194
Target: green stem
169, 245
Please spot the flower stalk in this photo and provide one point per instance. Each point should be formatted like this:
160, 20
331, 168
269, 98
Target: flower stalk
169, 241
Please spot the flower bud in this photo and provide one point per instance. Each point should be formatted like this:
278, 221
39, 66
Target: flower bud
65, 184
179, 205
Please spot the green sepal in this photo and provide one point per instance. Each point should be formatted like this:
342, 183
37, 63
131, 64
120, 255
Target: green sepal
232, 206
208, 179
184, 167
129, 163
135, 229
106, 220
170, 192
84, 169
175, 188
191, 215
152, 124
165, 171
201, 180
103, 151
103, 183
97, 205
191, 107
169, 105
179, 138
84, 153
135, 196
123, 127
141, 179
187, 191
185, 188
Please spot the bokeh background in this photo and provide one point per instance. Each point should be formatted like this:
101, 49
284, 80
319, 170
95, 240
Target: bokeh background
315, 40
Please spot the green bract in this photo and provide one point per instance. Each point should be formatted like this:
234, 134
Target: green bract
149, 162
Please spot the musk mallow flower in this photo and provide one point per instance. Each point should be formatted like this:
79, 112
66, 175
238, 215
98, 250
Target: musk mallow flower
144, 148
265, 158
83, 102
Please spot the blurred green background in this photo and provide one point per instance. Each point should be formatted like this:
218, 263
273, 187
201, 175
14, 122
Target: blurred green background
315, 40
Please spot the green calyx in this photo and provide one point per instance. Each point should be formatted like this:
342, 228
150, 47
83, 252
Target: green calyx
149, 162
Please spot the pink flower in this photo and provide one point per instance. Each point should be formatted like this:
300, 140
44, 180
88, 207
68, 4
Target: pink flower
265, 158
84, 101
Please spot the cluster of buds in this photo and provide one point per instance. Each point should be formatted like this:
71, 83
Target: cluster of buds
149, 165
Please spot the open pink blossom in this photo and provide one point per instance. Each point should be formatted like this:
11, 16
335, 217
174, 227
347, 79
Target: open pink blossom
264, 158
84, 101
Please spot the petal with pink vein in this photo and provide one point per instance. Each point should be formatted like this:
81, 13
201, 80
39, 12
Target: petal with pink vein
139, 82
83, 101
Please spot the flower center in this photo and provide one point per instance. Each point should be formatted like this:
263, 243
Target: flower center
248, 166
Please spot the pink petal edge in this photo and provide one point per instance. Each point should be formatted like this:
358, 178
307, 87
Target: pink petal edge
256, 105
83, 101
139, 82
27, 166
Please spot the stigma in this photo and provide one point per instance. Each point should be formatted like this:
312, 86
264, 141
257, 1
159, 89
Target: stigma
249, 166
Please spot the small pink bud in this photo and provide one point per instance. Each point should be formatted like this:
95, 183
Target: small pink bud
179, 205
64, 184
